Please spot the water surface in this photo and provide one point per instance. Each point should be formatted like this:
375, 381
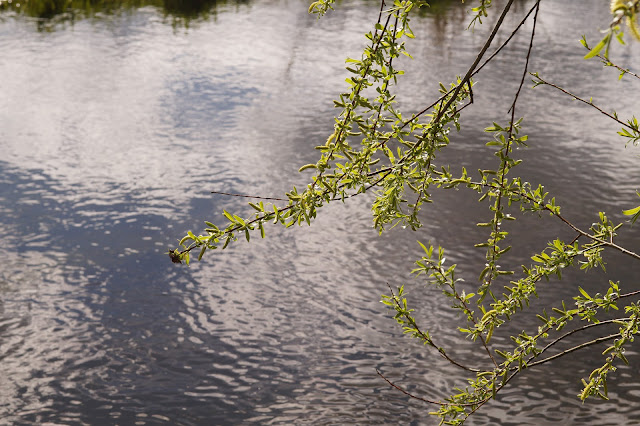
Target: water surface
116, 123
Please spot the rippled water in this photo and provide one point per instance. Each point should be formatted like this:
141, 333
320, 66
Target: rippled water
115, 127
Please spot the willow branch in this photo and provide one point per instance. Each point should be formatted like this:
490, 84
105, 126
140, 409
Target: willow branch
376, 46
465, 307
585, 327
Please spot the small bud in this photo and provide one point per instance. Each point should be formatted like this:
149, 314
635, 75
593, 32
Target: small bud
175, 256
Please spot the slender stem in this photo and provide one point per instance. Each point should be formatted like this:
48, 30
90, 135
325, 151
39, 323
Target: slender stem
428, 339
247, 196
515, 31
429, 401
575, 348
607, 62
473, 66
578, 98
585, 327
594, 238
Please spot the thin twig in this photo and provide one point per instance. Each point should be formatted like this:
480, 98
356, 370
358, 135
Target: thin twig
476, 71
608, 63
575, 348
578, 98
428, 339
577, 330
429, 401
248, 196
547, 327
513, 33
594, 238
473, 66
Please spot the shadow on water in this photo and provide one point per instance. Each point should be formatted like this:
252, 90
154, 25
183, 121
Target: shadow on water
49, 14
82, 343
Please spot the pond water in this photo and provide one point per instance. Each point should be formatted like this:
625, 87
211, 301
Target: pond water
116, 123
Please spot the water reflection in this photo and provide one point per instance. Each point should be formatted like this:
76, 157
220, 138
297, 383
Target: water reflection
114, 132
48, 14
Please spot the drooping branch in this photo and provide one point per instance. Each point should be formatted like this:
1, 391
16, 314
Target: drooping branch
330, 193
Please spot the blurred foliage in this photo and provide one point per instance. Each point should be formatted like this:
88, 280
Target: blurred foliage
49, 13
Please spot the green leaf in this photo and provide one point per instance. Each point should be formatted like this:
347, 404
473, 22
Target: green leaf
635, 212
598, 47
238, 219
307, 166
584, 293
226, 243
489, 333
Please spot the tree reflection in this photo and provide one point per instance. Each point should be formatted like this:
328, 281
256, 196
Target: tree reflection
51, 13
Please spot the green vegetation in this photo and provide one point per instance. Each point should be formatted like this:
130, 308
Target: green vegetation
375, 147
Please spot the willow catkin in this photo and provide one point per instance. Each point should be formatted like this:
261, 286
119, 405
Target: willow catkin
630, 10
